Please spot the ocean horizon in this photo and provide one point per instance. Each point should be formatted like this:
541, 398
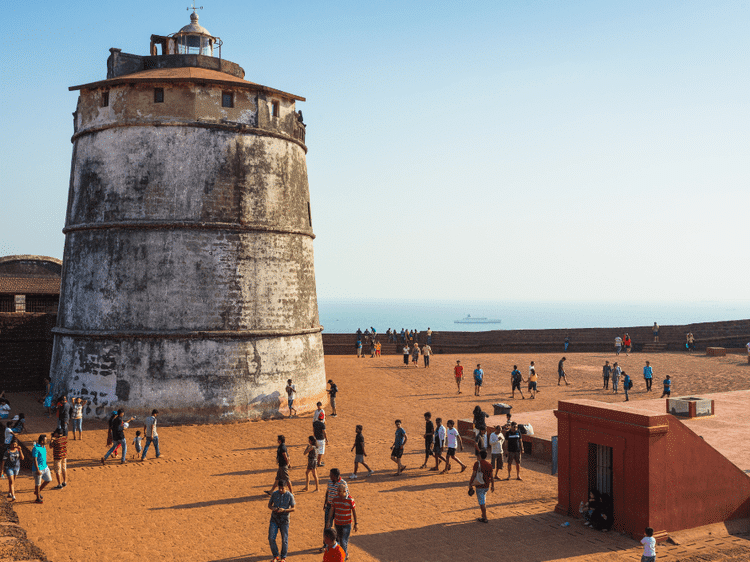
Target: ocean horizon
341, 316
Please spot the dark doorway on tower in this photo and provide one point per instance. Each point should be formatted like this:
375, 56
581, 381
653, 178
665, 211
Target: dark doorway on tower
600, 468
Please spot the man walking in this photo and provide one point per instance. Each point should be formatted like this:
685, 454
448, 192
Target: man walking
343, 512
397, 449
63, 415
332, 490
291, 394
561, 373
152, 436
481, 478
516, 378
321, 437
606, 372
515, 446
282, 459
119, 425
438, 443
281, 503
478, 379
39, 468
60, 458
429, 434
496, 445
426, 352
458, 371
452, 440
332, 392
648, 375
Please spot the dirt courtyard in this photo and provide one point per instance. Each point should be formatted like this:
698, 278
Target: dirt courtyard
204, 499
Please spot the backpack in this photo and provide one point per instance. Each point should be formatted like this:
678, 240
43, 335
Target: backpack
630, 384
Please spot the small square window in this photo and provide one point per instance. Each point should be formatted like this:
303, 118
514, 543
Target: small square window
274, 109
158, 95
105, 98
227, 99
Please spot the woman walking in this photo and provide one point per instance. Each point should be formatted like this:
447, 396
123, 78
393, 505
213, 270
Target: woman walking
312, 463
11, 466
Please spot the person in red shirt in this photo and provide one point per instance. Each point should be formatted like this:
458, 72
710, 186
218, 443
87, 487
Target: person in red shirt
333, 550
458, 370
342, 512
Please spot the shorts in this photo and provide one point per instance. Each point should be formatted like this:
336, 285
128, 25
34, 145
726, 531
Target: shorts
282, 474
656, 334
451, 452
515, 386
43, 475
532, 385
12, 471
482, 495
397, 452
428, 446
478, 382
667, 392
437, 449
359, 458
312, 463
497, 460
60, 465
333, 402
290, 402
645, 558
514, 457
321, 446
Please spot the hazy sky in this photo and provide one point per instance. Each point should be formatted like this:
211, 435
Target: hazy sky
479, 150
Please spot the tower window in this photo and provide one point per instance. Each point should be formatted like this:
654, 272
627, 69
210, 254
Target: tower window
105, 98
274, 109
227, 99
158, 95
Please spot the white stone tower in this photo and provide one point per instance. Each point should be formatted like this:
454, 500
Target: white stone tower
188, 282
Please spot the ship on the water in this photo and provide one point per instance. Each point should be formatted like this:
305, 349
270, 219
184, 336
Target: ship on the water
477, 320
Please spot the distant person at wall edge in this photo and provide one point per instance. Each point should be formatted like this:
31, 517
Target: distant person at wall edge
406, 354
429, 336
655, 331
627, 342
458, 371
566, 343
426, 352
415, 355
618, 345
690, 342
561, 372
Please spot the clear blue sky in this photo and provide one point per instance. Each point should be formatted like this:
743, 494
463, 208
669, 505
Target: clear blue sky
483, 150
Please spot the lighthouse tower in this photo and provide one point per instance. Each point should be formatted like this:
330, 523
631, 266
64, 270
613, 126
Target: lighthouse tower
188, 282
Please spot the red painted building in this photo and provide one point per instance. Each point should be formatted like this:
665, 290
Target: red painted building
659, 472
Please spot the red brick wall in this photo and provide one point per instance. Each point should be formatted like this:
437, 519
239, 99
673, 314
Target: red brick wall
25, 349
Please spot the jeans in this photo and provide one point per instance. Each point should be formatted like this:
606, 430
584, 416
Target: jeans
78, 425
649, 381
342, 535
124, 443
155, 439
625, 386
273, 528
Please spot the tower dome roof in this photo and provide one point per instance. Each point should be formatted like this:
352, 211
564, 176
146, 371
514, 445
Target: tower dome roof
194, 27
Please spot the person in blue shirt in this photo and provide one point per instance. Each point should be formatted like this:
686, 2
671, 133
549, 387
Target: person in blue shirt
478, 379
516, 378
626, 384
667, 387
39, 468
648, 374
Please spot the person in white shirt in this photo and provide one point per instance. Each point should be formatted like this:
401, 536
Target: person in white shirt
496, 443
452, 440
291, 393
649, 546
438, 444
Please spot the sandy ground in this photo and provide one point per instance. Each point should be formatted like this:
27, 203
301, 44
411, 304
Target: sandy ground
204, 499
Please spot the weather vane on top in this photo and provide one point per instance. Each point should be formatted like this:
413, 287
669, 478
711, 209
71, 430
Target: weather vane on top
194, 7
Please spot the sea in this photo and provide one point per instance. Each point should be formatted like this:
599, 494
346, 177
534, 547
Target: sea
345, 316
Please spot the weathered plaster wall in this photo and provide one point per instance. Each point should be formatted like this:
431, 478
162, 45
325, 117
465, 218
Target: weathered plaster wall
191, 379
188, 282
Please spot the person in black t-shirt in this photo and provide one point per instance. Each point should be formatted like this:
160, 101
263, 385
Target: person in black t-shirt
429, 435
321, 437
282, 459
515, 446
332, 392
359, 453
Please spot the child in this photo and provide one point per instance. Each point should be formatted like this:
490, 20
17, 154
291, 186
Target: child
359, 453
649, 546
667, 387
137, 442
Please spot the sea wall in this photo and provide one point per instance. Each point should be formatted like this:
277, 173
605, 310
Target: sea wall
730, 334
